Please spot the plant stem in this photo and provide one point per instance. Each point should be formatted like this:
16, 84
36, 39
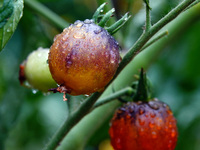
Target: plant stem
148, 17
194, 3
72, 120
161, 35
136, 48
125, 91
47, 13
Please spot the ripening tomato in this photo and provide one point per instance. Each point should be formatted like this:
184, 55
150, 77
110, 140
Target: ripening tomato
83, 58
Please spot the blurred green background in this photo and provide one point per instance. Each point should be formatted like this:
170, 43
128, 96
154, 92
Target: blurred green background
29, 119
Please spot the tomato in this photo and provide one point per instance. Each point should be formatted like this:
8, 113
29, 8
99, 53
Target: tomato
83, 58
144, 126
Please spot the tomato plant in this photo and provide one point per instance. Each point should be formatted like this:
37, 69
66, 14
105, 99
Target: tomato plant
160, 36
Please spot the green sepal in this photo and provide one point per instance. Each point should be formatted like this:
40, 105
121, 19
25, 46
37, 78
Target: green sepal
98, 11
117, 25
142, 89
106, 17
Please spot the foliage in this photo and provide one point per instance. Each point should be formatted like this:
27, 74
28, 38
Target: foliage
28, 120
10, 14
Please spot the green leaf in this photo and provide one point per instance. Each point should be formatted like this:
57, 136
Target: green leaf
10, 14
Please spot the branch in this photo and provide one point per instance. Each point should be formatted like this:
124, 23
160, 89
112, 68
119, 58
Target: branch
161, 35
148, 16
136, 48
72, 120
193, 4
126, 91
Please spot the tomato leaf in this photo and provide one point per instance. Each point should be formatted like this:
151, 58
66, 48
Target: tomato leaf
10, 14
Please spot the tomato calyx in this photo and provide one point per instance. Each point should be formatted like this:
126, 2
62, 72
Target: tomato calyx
142, 90
101, 19
61, 89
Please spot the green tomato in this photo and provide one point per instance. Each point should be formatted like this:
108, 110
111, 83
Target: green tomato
37, 72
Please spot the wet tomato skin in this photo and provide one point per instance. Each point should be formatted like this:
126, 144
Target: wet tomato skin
35, 70
83, 58
143, 126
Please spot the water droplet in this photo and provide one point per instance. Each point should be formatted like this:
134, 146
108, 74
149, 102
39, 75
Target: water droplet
128, 116
113, 10
70, 27
88, 21
77, 21
166, 128
169, 144
170, 124
64, 38
64, 46
154, 135
86, 95
79, 35
34, 91
141, 121
92, 55
164, 105
152, 114
65, 29
112, 57
98, 30
153, 105
20, 14
112, 61
8, 30
55, 37
69, 62
101, 10
80, 24
39, 54
173, 133
141, 130
151, 124
141, 111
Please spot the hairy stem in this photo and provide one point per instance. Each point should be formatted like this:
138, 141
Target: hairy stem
148, 17
136, 48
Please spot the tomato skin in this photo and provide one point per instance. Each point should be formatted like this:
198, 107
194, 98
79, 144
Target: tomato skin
35, 70
143, 126
83, 58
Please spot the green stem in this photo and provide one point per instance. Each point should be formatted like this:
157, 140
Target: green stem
161, 35
193, 4
72, 120
47, 13
148, 17
126, 91
136, 48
